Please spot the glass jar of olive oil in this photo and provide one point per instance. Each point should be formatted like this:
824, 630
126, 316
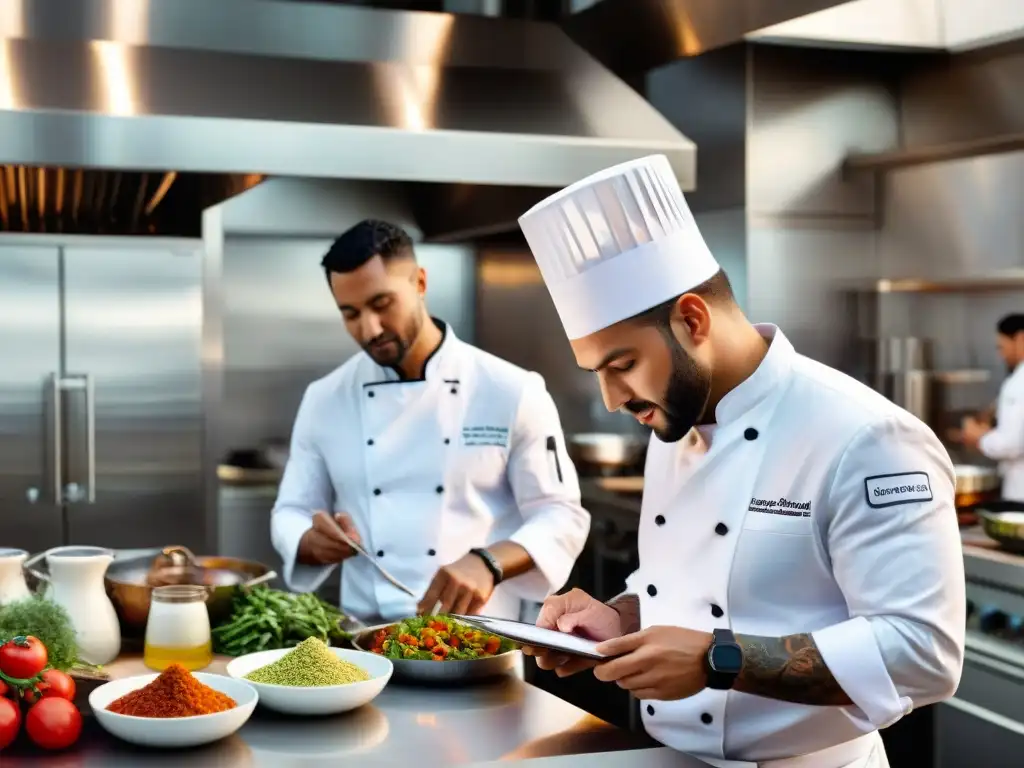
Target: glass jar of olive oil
178, 628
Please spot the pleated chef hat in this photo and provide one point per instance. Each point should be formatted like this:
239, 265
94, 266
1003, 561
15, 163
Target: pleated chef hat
616, 244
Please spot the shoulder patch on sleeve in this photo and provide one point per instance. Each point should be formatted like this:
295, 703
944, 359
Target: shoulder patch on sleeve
901, 488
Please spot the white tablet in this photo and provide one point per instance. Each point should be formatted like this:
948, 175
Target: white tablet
538, 637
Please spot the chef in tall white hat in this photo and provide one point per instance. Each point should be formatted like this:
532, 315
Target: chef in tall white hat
801, 580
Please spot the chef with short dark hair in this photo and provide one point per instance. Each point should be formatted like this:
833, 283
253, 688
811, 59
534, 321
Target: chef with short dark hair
446, 463
801, 580
1003, 441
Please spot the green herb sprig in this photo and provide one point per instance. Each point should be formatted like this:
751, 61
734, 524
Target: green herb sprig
263, 619
45, 620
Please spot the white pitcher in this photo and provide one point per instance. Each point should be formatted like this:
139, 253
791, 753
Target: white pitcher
76, 583
12, 577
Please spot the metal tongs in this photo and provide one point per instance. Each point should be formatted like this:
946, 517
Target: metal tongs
348, 540
380, 568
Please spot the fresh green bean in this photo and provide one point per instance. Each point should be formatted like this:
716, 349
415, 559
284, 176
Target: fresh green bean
262, 618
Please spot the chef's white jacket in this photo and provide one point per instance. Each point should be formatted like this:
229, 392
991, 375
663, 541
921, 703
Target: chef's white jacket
814, 505
1005, 443
469, 455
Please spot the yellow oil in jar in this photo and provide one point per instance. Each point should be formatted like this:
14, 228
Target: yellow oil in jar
159, 657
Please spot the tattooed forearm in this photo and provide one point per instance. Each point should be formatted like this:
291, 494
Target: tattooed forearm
628, 607
788, 669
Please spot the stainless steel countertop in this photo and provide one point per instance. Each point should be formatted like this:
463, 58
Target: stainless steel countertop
505, 720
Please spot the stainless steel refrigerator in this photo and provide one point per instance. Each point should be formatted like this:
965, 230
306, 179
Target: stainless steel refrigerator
101, 431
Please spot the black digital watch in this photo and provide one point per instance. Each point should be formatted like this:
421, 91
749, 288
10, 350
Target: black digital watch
724, 660
491, 562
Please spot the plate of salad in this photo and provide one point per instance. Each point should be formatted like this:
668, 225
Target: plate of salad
439, 649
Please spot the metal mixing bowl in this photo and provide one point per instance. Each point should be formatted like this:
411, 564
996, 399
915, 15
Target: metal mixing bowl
442, 672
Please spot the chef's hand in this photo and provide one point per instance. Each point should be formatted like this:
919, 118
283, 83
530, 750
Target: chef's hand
321, 544
972, 432
576, 613
657, 663
463, 587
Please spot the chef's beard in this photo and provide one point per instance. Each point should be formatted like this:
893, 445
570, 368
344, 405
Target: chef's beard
686, 396
389, 349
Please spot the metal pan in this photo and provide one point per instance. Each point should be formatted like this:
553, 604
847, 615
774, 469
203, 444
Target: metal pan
605, 452
441, 672
975, 487
1003, 521
130, 583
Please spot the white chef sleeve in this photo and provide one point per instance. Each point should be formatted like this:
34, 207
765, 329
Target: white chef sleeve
547, 493
1006, 441
305, 488
892, 537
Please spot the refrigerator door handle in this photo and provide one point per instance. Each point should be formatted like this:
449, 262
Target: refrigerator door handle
90, 438
73, 493
58, 439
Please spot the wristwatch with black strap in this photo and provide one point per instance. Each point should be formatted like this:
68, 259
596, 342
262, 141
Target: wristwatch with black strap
492, 564
724, 660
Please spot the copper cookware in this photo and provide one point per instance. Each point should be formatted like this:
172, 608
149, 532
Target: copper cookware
130, 583
974, 485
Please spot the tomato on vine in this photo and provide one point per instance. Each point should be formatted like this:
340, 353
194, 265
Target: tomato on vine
23, 658
53, 723
55, 684
10, 721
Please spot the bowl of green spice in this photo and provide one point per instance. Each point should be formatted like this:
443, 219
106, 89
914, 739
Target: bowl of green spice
313, 678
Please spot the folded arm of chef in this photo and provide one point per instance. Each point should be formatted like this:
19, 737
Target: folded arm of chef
1006, 441
305, 488
900, 568
547, 492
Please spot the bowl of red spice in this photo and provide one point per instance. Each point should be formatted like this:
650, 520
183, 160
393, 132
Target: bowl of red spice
176, 708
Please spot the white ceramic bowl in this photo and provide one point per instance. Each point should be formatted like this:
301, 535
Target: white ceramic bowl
321, 699
173, 731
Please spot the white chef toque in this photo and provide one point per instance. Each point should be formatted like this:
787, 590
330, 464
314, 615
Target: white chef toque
617, 243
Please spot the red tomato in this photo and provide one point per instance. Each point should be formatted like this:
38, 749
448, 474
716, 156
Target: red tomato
10, 721
23, 657
54, 683
53, 723
4, 688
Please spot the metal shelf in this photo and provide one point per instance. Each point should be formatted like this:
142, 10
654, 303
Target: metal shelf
938, 153
994, 283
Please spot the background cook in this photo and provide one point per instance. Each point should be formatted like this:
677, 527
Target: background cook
801, 579
1004, 440
444, 461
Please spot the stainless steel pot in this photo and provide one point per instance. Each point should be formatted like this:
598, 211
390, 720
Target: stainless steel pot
130, 583
599, 451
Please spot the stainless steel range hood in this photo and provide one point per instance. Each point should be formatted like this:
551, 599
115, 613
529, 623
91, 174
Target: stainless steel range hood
314, 90
635, 36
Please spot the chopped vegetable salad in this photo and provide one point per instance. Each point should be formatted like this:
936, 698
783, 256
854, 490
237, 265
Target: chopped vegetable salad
437, 638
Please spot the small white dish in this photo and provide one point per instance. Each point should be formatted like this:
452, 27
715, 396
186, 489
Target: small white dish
173, 732
320, 699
